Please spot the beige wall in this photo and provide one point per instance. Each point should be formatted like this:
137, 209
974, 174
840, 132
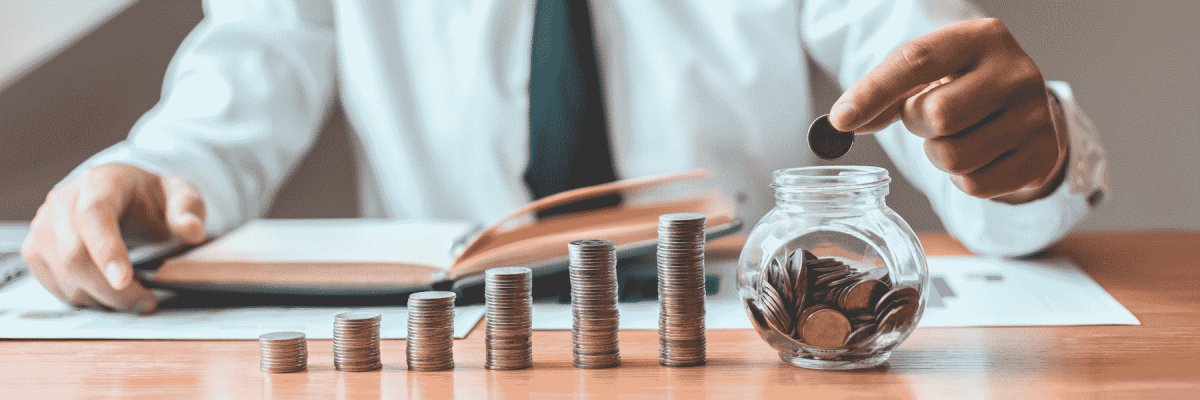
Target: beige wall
1134, 65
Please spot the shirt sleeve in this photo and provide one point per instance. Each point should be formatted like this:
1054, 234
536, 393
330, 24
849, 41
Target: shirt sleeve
850, 38
242, 101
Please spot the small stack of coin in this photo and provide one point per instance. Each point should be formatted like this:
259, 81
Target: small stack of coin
509, 297
827, 304
356, 341
283, 352
593, 271
430, 342
681, 290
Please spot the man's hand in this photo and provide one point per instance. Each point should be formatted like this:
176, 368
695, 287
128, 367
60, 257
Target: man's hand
980, 103
74, 246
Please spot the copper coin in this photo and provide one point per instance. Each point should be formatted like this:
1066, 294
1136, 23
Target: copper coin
879, 274
826, 141
858, 296
829, 277
778, 277
756, 312
826, 329
898, 317
892, 295
803, 318
854, 276
799, 279
776, 315
859, 335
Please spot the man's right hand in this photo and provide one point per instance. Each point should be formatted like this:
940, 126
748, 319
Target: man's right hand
74, 247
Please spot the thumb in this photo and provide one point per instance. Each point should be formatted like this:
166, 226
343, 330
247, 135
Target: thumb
185, 210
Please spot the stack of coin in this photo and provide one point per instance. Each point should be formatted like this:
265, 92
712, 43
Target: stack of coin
509, 297
430, 343
681, 289
283, 352
356, 341
827, 304
593, 270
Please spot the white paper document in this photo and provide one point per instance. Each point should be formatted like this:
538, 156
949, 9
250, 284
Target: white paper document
27, 311
963, 291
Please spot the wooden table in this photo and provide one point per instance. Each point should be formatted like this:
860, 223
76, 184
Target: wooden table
1154, 274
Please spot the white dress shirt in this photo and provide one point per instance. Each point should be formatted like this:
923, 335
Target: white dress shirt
436, 92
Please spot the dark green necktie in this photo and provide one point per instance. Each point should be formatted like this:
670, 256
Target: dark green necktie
568, 134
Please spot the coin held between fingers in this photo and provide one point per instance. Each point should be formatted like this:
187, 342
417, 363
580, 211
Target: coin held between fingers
827, 142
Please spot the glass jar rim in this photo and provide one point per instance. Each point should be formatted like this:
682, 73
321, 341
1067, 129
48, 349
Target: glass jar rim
833, 177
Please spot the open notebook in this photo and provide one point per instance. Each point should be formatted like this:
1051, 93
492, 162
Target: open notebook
375, 256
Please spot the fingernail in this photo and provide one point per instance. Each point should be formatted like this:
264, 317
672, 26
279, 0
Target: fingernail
187, 218
115, 272
145, 307
846, 113
192, 227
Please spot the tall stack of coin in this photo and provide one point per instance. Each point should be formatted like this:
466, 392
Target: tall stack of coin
593, 270
430, 343
356, 341
509, 297
283, 352
681, 340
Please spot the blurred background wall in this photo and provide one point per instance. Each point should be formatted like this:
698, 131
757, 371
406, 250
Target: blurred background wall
76, 75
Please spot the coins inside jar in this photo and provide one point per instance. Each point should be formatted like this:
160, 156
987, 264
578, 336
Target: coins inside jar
828, 305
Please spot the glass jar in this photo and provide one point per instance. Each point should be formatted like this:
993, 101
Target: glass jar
831, 277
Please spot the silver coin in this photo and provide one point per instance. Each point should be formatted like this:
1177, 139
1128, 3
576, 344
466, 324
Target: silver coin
281, 337
283, 352
681, 288
508, 296
430, 342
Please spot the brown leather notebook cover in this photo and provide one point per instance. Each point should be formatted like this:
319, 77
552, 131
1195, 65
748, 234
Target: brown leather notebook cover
372, 256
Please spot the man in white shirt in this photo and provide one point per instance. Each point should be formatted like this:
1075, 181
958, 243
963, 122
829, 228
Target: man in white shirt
438, 95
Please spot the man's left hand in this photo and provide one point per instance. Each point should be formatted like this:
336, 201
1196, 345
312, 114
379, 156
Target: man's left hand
980, 103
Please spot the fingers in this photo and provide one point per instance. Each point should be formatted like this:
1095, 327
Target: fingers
96, 222
915, 64
83, 276
1003, 131
185, 210
891, 114
956, 105
1013, 170
75, 249
60, 261
39, 269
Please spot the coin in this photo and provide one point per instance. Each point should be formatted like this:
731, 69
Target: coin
800, 277
860, 335
859, 295
356, 341
680, 262
862, 304
430, 342
896, 294
283, 352
596, 321
826, 141
826, 329
776, 314
508, 295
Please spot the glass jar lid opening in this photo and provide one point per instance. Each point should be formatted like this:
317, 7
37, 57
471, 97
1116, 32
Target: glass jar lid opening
835, 177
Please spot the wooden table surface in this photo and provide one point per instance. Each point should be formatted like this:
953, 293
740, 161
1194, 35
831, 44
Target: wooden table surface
1154, 274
